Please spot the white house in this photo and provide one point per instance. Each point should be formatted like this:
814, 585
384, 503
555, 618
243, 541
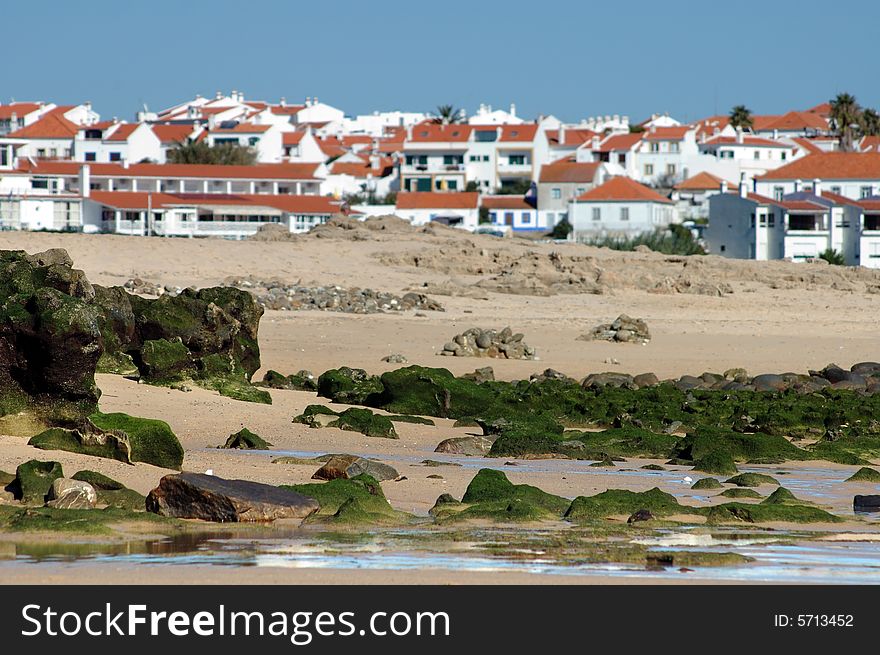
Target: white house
458, 209
753, 155
434, 157
114, 142
371, 176
511, 212
854, 175
619, 207
691, 196
561, 182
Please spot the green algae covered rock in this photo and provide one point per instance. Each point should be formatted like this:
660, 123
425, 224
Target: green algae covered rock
492, 489
422, 391
112, 493
768, 512
34, 479
782, 496
166, 360
97, 443
351, 386
366, 422
301, 381
246, 440
706, 483
151, 441
865, 474
716, 462
615, 502
752, 480
740, 492
372, 506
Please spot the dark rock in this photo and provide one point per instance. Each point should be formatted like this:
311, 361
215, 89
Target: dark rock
246, 440
769, 382
866, 368
686, 382
640, 515
485, 374
348, 385
206, 497
301, 381
551, 374
646, 380
610, 379
866, 503
34, 479
350, 466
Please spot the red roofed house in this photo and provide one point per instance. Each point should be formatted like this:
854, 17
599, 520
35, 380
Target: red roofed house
692, 195
663, 153
851, 174
434, 157
797, 226
560, 182
619, 207
266, 139
458, 209
114, 142
754, 155
512, 212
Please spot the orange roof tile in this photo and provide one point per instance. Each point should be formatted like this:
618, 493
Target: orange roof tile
428, 132
702, 182
505, 202
20, 109
50, 126
573, 136
122, 132
172, 133
676, 133
569, 171
792, 121
625, 141
432, 200
525, 132
830, 166
621, 189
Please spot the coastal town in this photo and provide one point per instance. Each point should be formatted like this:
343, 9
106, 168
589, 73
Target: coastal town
797, 186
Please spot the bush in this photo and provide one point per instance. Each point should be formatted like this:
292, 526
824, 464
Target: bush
673, 240
833, 257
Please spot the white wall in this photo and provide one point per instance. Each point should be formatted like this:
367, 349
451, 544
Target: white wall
643, 217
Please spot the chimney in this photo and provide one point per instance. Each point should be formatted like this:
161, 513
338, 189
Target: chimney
315, 100
775, 134
409, 132
125, 164
798, 184
817, 187
308, 101
218, 95
85, 180
513, 109
212, 121
234, 95
283, 101
743, 188
595, 142
561, 133
739, 134
723, 186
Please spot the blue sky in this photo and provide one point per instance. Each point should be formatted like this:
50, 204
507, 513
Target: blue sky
571, 59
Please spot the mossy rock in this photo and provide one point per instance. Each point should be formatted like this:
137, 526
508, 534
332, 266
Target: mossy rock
740, 492
516, 510
366, 422
126, 499
109, 445
237, 388
422, 391
740, 447
603, 463
99, 481
865, 474
312, 416
466, 422
615, 502
716, 462
752, 480
6, 479
782, 496
653, 467
404, 418
166, 360
302, 381
491, 486
34, 479
706, 483
334, 494
446, 505
74, 521
151, 440
117, 364
768, 512
246, 440
352, 386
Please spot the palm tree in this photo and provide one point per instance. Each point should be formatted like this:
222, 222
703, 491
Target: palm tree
846, 116
741, 116
870, 123
447, 115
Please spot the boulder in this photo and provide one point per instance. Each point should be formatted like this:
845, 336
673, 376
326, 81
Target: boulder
301, 381
72, 494
640, 515
395, 358
475, 446
608, 379
623, 329
210, 498
769, 382
33, 480
484, 374
350, 466
352, 386
866, 503
244, 439
646, 380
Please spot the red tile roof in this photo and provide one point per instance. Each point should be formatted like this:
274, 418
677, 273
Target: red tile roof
708, 126
122, 132
20, 109
573, 136
292, 138
805, 144
293, 171
568, 171
172, 133
792, 121
616, 142
242, 128
676, 133
622, 189
525, 132
286, 110
830, 166
428, 132
751, 141
362, 169
870, 144
432, 200
50, 126
505, 202
702, 182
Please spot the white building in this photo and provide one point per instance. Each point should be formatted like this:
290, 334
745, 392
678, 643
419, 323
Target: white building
487, 116
560, 183
853, 175
459, 209
513, 213
619, 207
691, 197
434, 157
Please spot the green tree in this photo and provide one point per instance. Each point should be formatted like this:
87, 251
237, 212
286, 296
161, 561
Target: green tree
561, 230
741, 116
846, 117
832, 257
447, 115
200, 152
870, 122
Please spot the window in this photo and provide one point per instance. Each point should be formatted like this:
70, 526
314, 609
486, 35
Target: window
597, 213
673, 147
670, 169
115, 156
835, 190
865, 192
784, 155
90, 156
474, 158
493, 217
580, 190
485, 136
517, 160
41, 153
726, 154
556, 193
655, 147
451, 160
526, 218
723, 248
771, 220
254, 140
624, 213
621, 159
649, 169
778, 192
485, 157
751, 220
452, 185
757, 154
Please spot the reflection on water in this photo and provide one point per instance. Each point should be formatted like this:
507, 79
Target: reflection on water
778, 556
